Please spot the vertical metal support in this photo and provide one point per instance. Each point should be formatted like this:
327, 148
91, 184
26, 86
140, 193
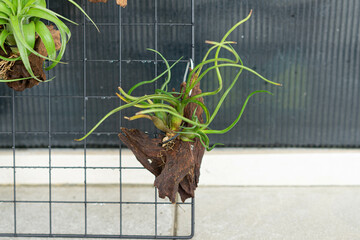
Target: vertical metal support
156, 29
49, 146
14, 154
85, 118
193, 58
120, 119
192, 218
193, 30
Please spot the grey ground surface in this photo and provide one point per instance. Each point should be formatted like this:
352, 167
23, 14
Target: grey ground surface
250, 213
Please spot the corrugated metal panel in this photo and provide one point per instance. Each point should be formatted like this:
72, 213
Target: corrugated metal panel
311, 46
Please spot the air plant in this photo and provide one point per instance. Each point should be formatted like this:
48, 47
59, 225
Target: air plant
166, 108
21, 21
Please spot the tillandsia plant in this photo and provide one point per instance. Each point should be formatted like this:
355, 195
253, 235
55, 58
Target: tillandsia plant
175, 157
166, 109
21, 25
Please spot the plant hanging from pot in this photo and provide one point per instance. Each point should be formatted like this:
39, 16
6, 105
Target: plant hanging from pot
26, 42
175, 157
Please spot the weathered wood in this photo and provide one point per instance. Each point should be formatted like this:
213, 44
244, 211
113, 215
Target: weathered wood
176, 165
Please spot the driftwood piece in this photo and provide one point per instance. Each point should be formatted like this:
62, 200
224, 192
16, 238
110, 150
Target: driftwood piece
176, 165
122, 3
19, 71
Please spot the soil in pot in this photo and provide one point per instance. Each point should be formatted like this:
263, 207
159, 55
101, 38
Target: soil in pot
176, 164
16, 70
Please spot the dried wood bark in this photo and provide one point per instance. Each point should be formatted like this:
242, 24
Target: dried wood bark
176, 165
122, 3
18, 70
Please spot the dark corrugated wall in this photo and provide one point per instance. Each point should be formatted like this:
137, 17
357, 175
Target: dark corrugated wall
311, 46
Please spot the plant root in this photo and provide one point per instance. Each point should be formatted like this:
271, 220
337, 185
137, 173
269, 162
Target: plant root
6, 66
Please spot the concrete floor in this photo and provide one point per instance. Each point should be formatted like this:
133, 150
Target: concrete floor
249, 213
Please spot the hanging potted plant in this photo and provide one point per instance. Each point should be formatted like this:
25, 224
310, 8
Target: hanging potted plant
183, 118
26, 42
121, 3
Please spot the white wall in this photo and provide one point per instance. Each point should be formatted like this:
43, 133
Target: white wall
256, 167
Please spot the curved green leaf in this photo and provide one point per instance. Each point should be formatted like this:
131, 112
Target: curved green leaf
29, 4
82, 10
64, 33
5, 9
46, 37
40, 13
22, 46
15, 80
4, 34
20, 41
10, 5
154, 79
10, 59
167, 67
29, 33
4, 19
239, 116
48, 11
61, 52
42, 3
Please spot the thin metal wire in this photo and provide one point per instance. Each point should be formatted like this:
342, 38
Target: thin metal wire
156, 27
125, 60
120, 121
49, 136
64, 167
193, 58
14, 156
45, 132
85, 118
51, 132
77, 236
142, 24
93, 202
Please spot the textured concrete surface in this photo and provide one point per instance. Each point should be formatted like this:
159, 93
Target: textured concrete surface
68, 218
277, 213
249, 213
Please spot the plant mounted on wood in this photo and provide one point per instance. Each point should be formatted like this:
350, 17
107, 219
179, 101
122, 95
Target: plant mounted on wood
26, 42
183, 118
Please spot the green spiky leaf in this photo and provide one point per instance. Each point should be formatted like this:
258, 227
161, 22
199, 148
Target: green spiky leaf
22, 20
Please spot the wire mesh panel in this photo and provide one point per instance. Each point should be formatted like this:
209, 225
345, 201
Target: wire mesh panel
98, 64
311, 47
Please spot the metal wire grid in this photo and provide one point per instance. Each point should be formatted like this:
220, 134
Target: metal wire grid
14, 232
